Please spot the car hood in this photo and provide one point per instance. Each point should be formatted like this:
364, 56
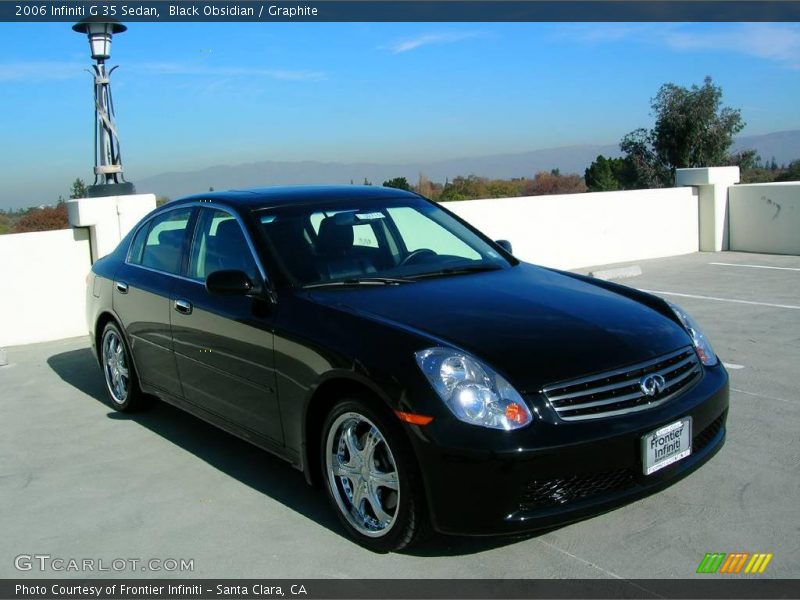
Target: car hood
533, 325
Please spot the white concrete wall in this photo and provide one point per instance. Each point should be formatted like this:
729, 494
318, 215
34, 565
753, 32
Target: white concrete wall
765, 217
712, 185
580, 230
109, 218
43, 274
42, 294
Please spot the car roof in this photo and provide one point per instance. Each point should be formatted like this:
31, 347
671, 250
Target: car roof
269, 197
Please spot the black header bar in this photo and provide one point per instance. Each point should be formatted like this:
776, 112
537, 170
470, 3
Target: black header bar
408, 10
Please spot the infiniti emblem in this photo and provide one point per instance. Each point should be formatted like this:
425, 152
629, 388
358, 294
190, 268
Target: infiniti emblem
652, 384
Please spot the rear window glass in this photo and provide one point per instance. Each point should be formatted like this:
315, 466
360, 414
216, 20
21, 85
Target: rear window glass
164, 244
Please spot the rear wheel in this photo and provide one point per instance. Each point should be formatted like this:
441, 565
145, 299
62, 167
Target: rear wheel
120, 376
371, 477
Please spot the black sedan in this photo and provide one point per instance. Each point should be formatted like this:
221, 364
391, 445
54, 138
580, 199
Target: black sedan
403, 361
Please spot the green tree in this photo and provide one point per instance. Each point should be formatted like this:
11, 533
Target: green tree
692, 129
609, 174
647, 170
503, 188
78, 189
745, 160
759, 175
451, 193
464, 188
400, 183
791, 173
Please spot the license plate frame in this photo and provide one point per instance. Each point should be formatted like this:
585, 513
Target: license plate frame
663, 447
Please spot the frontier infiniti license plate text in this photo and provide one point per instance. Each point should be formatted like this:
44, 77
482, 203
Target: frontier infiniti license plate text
666, 445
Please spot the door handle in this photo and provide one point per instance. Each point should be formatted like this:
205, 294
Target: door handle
122, 288
183, 306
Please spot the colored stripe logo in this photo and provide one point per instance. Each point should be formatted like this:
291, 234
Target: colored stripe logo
734, 562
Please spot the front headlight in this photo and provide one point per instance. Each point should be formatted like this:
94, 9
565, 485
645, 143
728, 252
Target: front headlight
472, 391
701, 344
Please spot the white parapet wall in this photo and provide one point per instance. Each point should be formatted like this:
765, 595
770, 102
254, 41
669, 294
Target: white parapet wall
765, 217
579, 230
108, 218
44, 285
43, 294
712, 185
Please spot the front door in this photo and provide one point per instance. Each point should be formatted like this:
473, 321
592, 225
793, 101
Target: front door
224, 344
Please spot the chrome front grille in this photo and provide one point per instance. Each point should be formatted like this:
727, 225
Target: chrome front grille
620, 391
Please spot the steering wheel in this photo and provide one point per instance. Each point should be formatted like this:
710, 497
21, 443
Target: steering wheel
415, 255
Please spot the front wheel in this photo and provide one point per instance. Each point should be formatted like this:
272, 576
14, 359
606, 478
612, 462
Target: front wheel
371, 478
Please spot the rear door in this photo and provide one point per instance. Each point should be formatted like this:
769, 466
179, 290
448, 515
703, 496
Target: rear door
141, 296
224, 344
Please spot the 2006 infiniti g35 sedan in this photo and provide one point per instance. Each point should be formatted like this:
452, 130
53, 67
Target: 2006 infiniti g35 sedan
409, 365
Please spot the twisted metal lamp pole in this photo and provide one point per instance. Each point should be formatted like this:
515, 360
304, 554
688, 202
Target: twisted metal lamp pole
108, 171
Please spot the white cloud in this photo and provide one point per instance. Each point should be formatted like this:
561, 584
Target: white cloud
429, 39
772, 41
40, 71
202, 70
777, 42
598, 33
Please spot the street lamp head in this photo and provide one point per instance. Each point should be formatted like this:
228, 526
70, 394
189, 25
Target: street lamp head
100, 30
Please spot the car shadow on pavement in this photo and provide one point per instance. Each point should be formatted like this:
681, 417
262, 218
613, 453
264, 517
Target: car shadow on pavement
239, 459
447, 545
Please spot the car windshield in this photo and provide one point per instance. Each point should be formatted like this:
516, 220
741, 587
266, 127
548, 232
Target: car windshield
379, 241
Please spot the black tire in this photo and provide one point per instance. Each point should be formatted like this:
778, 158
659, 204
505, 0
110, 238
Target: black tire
392, 454
119, 373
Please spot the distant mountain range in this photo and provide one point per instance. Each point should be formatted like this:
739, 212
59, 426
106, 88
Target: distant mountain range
784, 146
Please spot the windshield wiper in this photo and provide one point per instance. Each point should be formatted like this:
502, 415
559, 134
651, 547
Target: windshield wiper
456, 271
359, 281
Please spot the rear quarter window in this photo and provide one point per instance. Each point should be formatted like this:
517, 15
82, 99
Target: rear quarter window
137, 245
163, 241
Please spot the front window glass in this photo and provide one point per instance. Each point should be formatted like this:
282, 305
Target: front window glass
219, 245
391, 238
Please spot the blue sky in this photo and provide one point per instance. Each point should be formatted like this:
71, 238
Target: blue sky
191, 95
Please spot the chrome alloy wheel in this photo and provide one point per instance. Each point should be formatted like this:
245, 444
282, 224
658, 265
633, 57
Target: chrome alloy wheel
362, 474
115, 367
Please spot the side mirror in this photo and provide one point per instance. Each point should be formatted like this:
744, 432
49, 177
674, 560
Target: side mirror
505, 245
229, 283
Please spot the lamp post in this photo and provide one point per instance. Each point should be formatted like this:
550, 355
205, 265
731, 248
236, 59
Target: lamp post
108, 177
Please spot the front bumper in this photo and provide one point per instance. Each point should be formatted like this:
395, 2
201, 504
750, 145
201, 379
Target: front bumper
556, 472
